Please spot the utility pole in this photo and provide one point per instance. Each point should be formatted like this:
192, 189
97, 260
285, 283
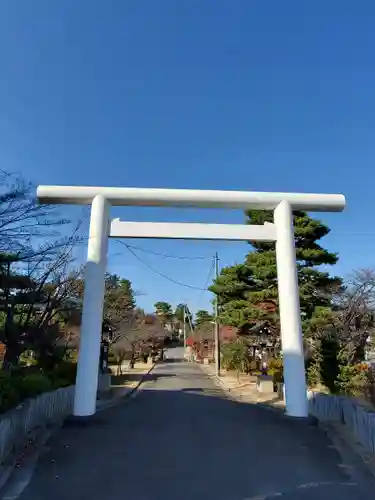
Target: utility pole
187, 316
184, 327
191, 326
217, 325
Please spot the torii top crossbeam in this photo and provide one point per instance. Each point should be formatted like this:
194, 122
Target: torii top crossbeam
149, 197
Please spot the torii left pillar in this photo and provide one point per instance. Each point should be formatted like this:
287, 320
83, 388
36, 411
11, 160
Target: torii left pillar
93, 300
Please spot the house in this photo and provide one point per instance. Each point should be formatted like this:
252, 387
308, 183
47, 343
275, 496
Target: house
261, 336
264, 339
203, 339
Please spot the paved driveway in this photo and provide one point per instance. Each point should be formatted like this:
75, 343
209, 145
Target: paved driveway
181, 439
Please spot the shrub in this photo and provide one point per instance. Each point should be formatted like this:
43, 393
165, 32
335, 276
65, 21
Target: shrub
313, 371
33, 385
329, 365
27, 358
71, 356
30, 381
60, 382
9, 393
65, 371
15, 387
324, 367
276, 369
63, 375
48, 358
353, 379
235, 356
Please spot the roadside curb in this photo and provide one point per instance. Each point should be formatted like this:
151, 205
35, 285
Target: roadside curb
349, 449
218, 381
119, 399
348, 446
19, 460
211, 375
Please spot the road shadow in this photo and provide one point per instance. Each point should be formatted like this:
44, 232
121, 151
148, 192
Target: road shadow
119, 380
179, 444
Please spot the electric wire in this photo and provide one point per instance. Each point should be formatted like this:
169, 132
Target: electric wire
182, 257
208, 279
159, 273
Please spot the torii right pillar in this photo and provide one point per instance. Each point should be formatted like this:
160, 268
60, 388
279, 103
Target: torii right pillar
290, 314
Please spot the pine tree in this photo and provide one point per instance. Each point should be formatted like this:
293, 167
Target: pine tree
181, 310
203, 317
232, 288
242, 289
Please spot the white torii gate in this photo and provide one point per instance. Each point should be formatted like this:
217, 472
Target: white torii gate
281, 231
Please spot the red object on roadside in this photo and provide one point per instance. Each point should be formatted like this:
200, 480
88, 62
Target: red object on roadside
190, 341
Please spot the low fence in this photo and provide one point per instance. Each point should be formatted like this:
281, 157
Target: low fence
345, 410
24, 422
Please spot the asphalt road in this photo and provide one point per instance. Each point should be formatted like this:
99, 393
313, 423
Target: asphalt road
182, 439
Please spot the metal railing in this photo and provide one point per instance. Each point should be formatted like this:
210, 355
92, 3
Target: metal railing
360, 420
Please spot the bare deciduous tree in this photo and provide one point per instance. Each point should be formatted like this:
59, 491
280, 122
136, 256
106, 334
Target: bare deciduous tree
22, 218
142, 336
351, 319
36, 303
355, 315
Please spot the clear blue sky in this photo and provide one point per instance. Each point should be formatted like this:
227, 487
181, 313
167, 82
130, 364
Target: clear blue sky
251, 94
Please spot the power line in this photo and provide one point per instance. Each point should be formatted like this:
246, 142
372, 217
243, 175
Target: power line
163, 254
209, 278
159, 273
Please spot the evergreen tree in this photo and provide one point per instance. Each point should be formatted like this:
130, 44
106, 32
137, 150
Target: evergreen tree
163, 311
179, 312
119, 302
232, 288
242, 289
203, 317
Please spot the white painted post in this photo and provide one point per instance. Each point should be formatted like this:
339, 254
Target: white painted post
91, 325
290, 315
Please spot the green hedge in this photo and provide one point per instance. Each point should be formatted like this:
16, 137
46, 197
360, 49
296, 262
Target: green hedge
29, 382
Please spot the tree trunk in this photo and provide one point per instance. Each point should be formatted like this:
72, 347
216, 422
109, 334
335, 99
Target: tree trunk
11, 357
132, 360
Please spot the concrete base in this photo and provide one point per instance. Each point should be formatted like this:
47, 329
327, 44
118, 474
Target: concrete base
265, 384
